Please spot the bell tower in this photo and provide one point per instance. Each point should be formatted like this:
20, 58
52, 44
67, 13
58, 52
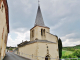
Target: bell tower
38, 32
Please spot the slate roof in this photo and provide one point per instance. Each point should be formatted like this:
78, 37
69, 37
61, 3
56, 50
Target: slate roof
30, 42
39, 19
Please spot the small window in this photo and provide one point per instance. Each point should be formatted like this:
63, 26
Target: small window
32, 33
44, 32
41, 32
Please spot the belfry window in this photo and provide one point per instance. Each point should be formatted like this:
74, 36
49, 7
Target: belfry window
44, 32
41, 32
32, 33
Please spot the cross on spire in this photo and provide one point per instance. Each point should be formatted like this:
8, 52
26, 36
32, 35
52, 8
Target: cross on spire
38, 2
39, 19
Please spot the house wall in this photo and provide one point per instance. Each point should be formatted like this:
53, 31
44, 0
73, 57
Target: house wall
3, 32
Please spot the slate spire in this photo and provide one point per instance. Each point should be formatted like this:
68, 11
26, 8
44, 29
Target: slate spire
39, 19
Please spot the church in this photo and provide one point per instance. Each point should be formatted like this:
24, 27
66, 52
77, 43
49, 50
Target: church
42, 45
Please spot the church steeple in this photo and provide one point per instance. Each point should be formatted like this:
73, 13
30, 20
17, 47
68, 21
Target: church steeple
38, 32
39, 19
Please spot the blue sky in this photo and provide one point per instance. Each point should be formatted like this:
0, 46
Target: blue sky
62, 16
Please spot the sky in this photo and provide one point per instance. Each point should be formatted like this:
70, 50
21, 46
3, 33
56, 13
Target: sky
62, 16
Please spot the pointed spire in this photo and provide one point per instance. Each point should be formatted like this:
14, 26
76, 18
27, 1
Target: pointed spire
39, 19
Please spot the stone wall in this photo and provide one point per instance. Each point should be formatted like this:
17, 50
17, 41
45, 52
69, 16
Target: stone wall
37, 50
37, 33
45, 49
30, 49
3, 30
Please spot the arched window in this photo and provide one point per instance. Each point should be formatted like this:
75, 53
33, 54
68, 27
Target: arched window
44, 32
41, 32
47, 57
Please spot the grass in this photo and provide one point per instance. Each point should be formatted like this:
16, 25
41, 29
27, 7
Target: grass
65, 52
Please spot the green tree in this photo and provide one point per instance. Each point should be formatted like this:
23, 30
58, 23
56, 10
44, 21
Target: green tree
69, 56
77, 53
60, 47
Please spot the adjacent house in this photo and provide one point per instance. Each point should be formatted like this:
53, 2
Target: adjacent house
4, 27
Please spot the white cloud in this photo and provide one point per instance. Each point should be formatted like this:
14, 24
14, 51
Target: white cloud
68, 41
21, 36
61, 22
61, 15
26, 6
67, 36
10, 41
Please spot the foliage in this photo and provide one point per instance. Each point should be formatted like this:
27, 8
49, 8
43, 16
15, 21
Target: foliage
77, 53
69, 56
64, 52
71, 48
60, 47
71, 52
10, 48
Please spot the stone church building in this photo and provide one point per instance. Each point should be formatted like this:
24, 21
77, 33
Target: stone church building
42, 43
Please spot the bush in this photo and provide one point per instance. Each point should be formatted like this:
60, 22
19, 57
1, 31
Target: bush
69, 56
72, 49
77, 53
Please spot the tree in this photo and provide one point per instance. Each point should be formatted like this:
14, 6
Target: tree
60, 47
77, 53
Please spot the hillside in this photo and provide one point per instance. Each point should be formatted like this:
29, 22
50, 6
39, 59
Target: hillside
64, 52
71, 48
71, 52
